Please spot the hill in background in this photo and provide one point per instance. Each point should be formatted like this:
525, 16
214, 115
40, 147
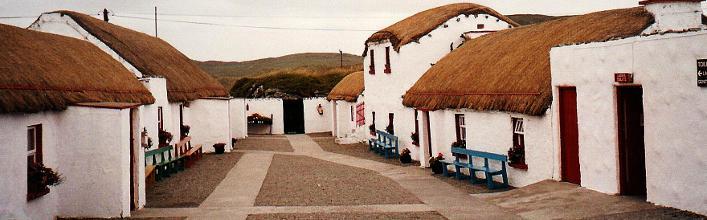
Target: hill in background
528, 19
229, 72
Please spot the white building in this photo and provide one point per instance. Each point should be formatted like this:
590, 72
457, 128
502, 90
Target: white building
348, 109
185, 94
633, 112
298, 116
397, 56
68, 106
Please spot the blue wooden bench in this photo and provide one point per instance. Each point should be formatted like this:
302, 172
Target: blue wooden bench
166, 164
488, 171
384, 144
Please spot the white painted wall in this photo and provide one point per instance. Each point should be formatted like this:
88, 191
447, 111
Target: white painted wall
674, 113
493, 132
313, 121
384, 92
88, 146
238, 118
158, 89
267, 107
675, 15
209, 123
346, 129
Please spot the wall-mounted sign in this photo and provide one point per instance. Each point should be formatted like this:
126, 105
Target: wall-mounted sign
623, 77
702, 72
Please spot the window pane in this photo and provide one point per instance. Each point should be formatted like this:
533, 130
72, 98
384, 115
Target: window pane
31, 144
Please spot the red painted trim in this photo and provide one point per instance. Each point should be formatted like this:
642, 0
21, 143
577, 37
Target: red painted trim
481, 32
647, 2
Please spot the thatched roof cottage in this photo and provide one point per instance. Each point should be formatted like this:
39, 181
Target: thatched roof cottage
398, 55
68, 106
186, 95
348, 109
556, 92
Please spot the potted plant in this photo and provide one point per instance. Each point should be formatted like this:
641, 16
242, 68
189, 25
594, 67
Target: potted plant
372, 129
405, 156
436, 164
516, 158
164, 138
459, 144
219, 148
39, 178
184, 130
415, 138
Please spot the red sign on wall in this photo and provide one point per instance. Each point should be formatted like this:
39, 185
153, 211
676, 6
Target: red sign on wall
623, 77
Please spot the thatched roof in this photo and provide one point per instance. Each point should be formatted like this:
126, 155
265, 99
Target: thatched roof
510, 70
422, 23
348, 89
154, 57
40, 72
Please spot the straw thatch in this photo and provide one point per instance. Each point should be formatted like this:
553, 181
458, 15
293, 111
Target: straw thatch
154, 57
422, 23
348, 89
510, 70
40, 72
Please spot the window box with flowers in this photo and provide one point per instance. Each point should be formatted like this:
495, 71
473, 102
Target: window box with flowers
39, 178
436, 163
372, 129
164, 139
459, 144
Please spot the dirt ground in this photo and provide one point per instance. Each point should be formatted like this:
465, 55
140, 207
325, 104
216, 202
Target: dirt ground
659, 213
191, 187
359, 150
353, 216
305, 181
265, 144
320, 134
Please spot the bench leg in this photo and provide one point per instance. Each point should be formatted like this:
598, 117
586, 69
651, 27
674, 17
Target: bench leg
445, 172
458, 174
385, 153
489, 180
505, 178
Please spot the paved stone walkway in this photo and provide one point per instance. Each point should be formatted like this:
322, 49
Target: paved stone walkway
235, 196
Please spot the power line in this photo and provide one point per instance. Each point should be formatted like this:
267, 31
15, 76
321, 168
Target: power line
17, 17
264, 16
244, 26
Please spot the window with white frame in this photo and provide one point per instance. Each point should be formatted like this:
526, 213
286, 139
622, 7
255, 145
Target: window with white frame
460, 127
519, 139
34, 144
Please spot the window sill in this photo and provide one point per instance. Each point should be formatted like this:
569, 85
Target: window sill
388, 71
520, 166
34, 195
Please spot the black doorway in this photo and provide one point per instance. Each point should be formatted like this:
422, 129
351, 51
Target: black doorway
632, 157
293, 116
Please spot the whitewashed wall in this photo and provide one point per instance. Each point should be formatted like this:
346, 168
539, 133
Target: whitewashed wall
384, 92
346, 129
493, 132
266, 107
158, 89
92, 157
313, 121
209, 122
674, 113
238, 118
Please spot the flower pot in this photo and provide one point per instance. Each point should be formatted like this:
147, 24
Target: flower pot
437, 168
405, 158
219, 148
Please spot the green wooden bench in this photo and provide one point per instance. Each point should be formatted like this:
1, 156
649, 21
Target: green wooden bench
166, 164
488, 171
384, 144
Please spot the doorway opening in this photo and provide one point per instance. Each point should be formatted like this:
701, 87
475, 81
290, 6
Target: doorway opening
632, 157
569, 136
293, 116
134, 162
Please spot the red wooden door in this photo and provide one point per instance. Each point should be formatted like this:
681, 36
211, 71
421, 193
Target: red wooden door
569, 135
632, 162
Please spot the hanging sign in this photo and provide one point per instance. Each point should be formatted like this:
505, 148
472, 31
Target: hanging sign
623, 77
702, 72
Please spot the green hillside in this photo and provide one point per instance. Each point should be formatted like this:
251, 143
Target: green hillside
527, 19
228, 72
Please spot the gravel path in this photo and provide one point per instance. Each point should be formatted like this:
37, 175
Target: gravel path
191, 187
359, 150
305, 181
265, 144
353, 216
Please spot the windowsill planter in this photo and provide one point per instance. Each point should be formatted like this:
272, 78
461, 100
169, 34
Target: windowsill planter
219, 148
520, 166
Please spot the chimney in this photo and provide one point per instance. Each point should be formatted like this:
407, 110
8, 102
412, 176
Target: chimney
675, 15
105, 15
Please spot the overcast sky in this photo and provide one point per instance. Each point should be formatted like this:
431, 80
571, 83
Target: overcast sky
221, 35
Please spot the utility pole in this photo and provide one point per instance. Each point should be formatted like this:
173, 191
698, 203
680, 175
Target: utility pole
155, 21
341, 58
